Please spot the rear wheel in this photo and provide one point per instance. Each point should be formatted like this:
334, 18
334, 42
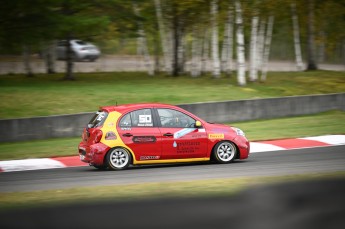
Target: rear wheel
118, 158
225, 152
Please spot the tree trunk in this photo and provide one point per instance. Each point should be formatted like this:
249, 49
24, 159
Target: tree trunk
268, 40
205, 51
253, 76
215, 48
27, 61
227, 44
142, 43
69, 60
260, 45
241, 65
181, 49
193, 65
297, 43
164, 39
311, 40
49, 57
157, 53
176, 42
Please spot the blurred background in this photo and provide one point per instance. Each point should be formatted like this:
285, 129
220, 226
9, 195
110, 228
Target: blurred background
176, 37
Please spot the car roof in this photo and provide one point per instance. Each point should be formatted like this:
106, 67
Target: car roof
127, 107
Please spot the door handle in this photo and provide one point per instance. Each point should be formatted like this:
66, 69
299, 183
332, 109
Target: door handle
127, 135
168, 135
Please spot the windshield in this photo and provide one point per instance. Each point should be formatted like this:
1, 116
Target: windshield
98, 119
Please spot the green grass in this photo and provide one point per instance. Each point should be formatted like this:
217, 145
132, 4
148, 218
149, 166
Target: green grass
49, 95
321, 124
332, 122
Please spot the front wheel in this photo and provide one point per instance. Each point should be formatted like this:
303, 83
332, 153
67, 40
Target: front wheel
118, 159
225, 152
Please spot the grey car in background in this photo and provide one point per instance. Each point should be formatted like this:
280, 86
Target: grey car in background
81, 50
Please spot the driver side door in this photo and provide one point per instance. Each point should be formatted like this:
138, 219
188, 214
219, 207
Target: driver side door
180, 138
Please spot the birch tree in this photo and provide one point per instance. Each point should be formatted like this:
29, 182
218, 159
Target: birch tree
297, 43
268, 39
260, 44
228, 43
241, 66
205, 51
253, 75
196, 53
142, 43
164, 39
215, 48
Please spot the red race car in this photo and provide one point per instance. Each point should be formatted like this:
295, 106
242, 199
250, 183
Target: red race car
118, 136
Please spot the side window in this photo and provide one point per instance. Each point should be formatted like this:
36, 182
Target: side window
126, 121
138, 118
173, 118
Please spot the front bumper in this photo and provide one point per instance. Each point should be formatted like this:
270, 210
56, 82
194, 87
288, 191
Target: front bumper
93, 154
243, 146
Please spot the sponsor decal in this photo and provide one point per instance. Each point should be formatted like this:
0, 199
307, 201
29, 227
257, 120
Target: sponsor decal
145, 120
111, 124
126, 128
110, 136
183, 132
201, 130
220, 130
188, 147
142, 158
174, 144
216, 136
144, 139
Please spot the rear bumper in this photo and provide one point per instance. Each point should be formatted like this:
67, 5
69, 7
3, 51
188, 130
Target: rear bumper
93, 154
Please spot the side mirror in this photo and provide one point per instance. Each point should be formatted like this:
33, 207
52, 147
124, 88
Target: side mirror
198, 124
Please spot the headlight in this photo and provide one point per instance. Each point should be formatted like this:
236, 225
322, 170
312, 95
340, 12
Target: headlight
238, 131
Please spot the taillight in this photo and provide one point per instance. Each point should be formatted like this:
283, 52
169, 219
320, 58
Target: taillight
98, 136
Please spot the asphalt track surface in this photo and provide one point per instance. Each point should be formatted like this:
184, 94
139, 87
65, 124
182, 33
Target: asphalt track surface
310, 204
274, 163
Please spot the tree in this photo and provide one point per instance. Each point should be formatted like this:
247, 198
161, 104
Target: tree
241, 65
253, 73
267, 46
297, 43
26, 24
228, 42
215, 48
80, 19
311, 65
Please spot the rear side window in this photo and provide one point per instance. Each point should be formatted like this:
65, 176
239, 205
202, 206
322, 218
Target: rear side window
98, 119
138, 118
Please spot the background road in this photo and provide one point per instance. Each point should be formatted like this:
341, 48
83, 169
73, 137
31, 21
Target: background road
113, 63
312, 160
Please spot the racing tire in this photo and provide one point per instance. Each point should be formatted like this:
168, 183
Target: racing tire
118, 158
225, 152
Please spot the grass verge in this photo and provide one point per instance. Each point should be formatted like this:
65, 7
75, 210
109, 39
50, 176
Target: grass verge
44, 94
214, 187
320, 124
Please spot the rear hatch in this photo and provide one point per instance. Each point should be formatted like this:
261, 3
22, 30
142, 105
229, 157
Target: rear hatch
92, 133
